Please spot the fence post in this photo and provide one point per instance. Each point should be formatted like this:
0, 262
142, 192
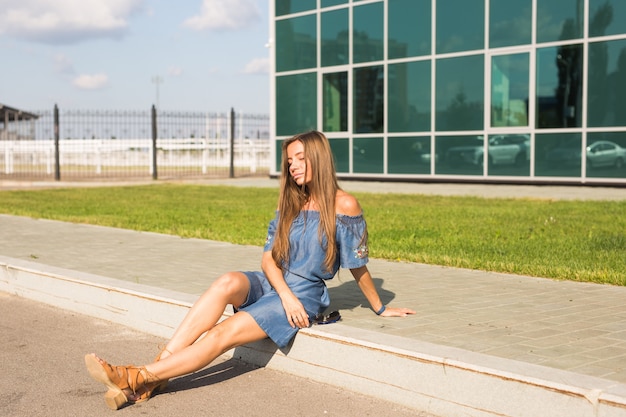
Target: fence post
57, 153
232, 143
154, 143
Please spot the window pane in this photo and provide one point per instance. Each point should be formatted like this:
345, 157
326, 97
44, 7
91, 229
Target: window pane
341, 152
459, 155
295, 43
367, 155
607, 17
510, 23
408, 28
329, 3
408, 97
368, 32
284, 7
606, 155
460, 94
559, 20
509, 90
607, 84
368, 99
335, 107
409, 155
508, 155
559, 86
335, 38
558, 155
295, 110
460, 25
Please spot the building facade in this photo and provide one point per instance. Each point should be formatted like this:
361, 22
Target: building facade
529, 91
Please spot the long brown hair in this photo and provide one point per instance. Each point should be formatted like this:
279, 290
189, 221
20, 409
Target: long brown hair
322, 189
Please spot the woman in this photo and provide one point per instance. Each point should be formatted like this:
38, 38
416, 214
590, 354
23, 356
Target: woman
318, 228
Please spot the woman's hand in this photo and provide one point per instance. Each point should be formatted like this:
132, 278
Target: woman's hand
396, 312
296, 314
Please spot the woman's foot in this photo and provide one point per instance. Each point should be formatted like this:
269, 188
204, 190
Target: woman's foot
125, 383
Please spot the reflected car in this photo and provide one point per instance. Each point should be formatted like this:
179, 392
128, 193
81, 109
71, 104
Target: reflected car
604, 153
503, 150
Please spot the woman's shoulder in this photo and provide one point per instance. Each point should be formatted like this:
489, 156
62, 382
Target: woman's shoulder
347, 204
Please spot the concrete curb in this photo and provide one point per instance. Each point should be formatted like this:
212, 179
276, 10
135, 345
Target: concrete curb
437, 379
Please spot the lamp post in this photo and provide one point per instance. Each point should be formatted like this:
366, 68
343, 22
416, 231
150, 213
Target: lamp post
157, 80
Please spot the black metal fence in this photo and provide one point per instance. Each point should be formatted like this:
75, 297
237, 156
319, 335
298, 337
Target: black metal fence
114, 144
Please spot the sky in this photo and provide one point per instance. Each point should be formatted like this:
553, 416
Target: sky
185, 55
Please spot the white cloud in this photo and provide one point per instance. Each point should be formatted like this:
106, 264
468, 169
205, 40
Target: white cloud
257, 66
66, 21
224, 15
62, 64
175, 71
91, 82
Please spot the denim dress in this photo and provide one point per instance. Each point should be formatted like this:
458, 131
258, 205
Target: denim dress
305, 274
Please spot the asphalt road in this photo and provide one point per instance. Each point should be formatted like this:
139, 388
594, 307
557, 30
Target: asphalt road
42, 373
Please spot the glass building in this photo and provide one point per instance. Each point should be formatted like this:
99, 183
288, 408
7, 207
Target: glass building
529, 91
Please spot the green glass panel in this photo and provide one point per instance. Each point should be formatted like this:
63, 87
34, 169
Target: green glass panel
335, 99
368, 94
409, 155
508, 155
341, 153
367, 155
408, 97
459, 155
283, 7
459, 95
607, 17
335, 38
607, 84
559, 86
409, 28
558, 155
295, 110
329, 3
460, 25
559, 20
510, 23
368, 32
296, 43
606, 155
509, 90
279, 155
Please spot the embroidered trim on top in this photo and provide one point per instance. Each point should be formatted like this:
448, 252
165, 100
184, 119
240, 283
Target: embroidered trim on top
361, 252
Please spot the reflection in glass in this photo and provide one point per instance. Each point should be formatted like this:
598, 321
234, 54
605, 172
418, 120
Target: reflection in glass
335, 35
335, 105
408, 97
296, 43
367, 155
607, 84
368, 99
509, 90
559, 20
283, 7
455, 152
367, 33
510, 23
607, 17
558, 155
295, 110
559, 86
460, 25
606, 155
460, 94
508, 155
409, 25
409, 155
341, 153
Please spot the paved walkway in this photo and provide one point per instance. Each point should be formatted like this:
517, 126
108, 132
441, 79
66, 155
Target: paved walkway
564, 325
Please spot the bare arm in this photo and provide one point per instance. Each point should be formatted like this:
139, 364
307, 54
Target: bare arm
366, 284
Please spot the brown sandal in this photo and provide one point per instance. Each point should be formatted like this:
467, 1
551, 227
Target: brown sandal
120, 378
163, 384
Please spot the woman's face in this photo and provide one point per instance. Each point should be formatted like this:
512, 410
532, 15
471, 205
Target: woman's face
298, 163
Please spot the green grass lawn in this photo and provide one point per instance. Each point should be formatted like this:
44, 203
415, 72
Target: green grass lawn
573, 240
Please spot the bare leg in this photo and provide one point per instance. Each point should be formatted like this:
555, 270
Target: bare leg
230, 288
235, 331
